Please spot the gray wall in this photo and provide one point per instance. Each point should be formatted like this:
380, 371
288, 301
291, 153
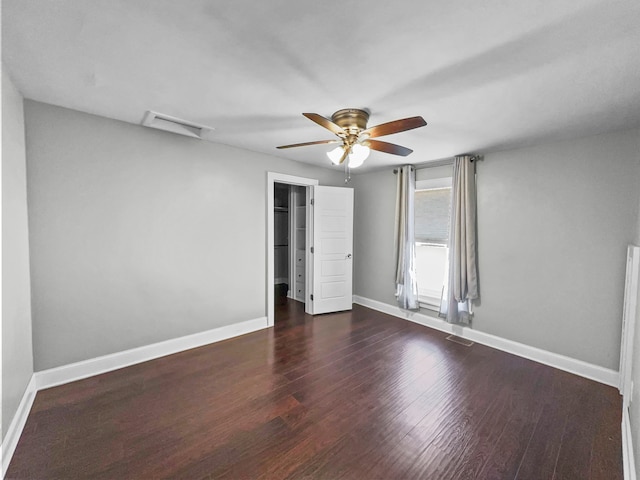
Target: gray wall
139, 236
554, 223
373, 221
17, 358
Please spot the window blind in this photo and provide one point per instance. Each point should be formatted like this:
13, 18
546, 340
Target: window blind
432, 209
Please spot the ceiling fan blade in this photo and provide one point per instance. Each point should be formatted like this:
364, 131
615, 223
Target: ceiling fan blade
319, 142
388, 147
395, 127
326, 123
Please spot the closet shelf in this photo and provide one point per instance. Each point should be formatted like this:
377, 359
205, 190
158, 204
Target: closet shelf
280, 209
285, 245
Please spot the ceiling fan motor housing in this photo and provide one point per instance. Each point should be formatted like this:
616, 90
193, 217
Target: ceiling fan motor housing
352, 120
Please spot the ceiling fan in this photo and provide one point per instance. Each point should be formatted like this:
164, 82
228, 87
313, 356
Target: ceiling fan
350, 125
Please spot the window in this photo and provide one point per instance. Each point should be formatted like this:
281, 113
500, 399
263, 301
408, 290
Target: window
432, 209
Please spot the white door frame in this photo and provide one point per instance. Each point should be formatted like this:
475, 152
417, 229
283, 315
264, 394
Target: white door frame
629, 321
272, 179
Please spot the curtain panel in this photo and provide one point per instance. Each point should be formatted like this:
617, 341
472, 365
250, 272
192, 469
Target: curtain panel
461, 287
405, 255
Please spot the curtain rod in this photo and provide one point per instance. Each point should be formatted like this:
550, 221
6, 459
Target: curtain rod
438, 163
395, 170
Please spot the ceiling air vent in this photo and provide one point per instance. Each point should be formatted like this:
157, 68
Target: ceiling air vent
175, 125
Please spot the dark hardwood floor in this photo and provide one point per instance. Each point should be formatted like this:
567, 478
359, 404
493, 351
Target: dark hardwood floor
354, 395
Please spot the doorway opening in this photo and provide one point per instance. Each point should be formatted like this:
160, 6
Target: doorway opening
289, 233
290, 245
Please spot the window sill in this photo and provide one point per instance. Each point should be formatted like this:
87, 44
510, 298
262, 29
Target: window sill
429, 303
432, 308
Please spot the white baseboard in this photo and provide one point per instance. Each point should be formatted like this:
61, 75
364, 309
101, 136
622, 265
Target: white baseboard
628, 460
96, 366
10, 441
568, 364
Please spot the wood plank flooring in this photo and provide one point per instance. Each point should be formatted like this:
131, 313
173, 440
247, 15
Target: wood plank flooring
352, 395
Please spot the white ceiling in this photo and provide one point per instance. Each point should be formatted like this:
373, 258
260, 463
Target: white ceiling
485, 75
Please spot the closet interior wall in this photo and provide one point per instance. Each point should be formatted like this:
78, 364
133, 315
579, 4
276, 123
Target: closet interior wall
281, 228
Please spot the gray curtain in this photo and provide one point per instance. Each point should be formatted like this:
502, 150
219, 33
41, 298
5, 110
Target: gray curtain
461, 287
406, 283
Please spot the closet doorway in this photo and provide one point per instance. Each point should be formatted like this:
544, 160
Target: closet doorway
289, 238
289, 233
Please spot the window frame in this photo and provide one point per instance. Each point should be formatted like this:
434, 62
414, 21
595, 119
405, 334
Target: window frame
439, 181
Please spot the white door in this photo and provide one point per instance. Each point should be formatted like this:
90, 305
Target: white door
332, 249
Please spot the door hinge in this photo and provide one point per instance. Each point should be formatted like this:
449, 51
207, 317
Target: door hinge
311, 249
312, 201
312, 297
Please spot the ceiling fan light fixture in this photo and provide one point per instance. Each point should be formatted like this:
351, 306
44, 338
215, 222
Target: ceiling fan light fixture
358, 155
335, 155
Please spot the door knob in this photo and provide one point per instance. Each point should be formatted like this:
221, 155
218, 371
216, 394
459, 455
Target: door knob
348, 255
